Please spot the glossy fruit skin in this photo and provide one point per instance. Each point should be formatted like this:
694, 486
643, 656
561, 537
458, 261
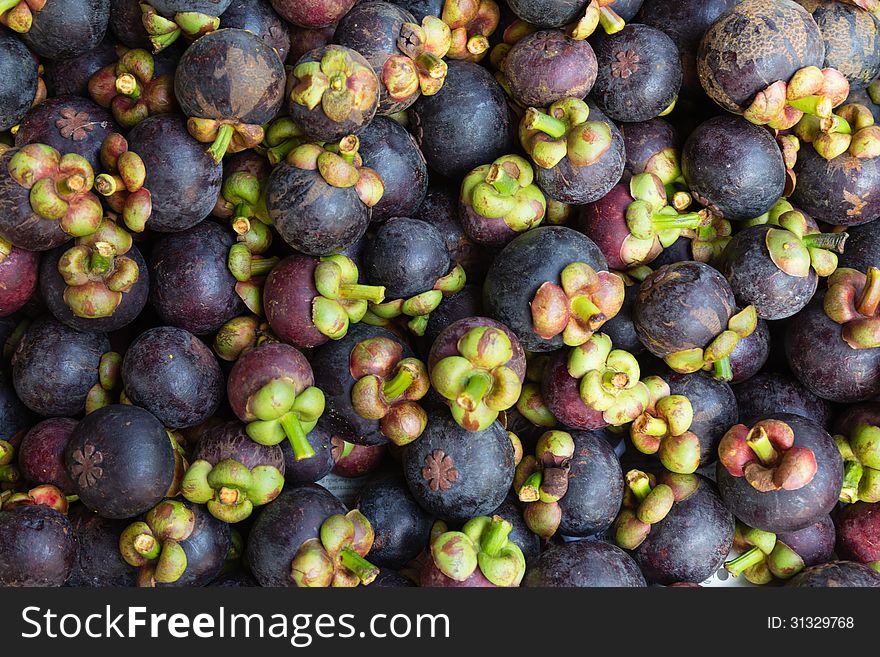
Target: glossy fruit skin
54, 367
172, 374
854, 415
579, 185
767, 392
840, 191
311, 469
401, 526
814, 543
18, 70
788, 510
52, 288
287, 301
206, 549
595, 487
99, 562
824, 363
714, 407
359, 462
231, 74
137, 460
283, 526
756, 280
691, 542
71, 75
441, 209
465, 124
586, 564
313, 13
18, 279
532, 259
483, 462
38, 547
446, 343
561, 394
621, 329
230, 441
858, 531
750, 353
644, 140
69, 124
548, 66
259, 17
407, 256
67, 28
525, 538
604, 222
734, 168
41, 454
862, 247
548, 13
388, 149
331, 363
15, 417
192, 287
636, 90
852, 43
836, 574
259, 366
311, 215
183, 179
463, 304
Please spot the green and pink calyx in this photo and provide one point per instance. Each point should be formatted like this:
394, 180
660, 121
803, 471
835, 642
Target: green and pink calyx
811, 92
420, 67
505, 190
229, 489
43, 495
9, 473
337, 557
243, 202
531, 406
850, 130
60, 187
131, 90
482, 544
716, 356
648, 500
281, 137
249, 267
344, 87
18, 15
541, 481
663, 429
478, 383
763, 557
797, 246
766, 456
853, 300
387, 388
598, 12
153, 544
162, 31
239, 335
123, 186
471, 22
709, 239
861, 464
564, 131
109, 381
284, 412
579, 306
341, 300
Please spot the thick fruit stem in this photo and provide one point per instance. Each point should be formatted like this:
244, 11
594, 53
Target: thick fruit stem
221, 143
828, 241
723, 369
495, 536
760, 443
537, 120
691, 220
814, 105
744, 561
371, 293
297, 437
363, 569
477, 387
397, 385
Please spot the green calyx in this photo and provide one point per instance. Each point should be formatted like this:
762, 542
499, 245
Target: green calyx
500, 560
663, 429
645, 504
649, 217
478, 383
597, 13
541, 481
9, 474
470, 24
109, 378
153, 545
531, 406
342, 300
716, 356
420, 306
861, 465
708, 240
811, 93
564, 130
850, 130
229, 489
337, 557
339, 83
505, 190
764, 558
281, 137
853, 300
163, 32
283, 411
243, 193
123, 184
340, 165
796, 246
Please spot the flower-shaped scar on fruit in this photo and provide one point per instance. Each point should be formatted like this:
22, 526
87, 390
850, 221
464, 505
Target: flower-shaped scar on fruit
648, 500
584, 301
153, 544
387, 388
852, 300
229, 489
541, 481
337, 557
861, 464
123, 187
765, 455
663, 429
478, 383
131, 90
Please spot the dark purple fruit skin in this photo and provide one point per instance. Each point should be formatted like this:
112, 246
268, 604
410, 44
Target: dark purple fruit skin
465, 124
446, 343
259, 17
862, 247
391, 579
311, 469
68, 28
548, 13
858, 532
54, 367
855, 415
311, 215
585, 564
360, 461
626, 9
532, 259
287, 301
100, 563
441, 209
313, 13
401, 526
304, 40
137, 466
680, 306
735, 168
38, 547
259, 366
15, 417
331, 363
168, 8
852, 45
18, 279
548, 66
41, 454
407, 256
741, 54
595, 487
757, 281
52, 288
431, 577
283, 526
387, 148
183, 179
18, 70
462, 304
40, 126
824, 363
172, 374
714, 407
214, 72
579, 185
767, 392
206, 548
230, 441
788, 510
126, 24
691, 542
421, 8
861, 97
71, 76
814, 544
841, 191
644, 140
192, 287
561, 394
604, 221
621, 329
750, 353
18, 223
235, 579
521, 535
482, 459
653, 82
836, 574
